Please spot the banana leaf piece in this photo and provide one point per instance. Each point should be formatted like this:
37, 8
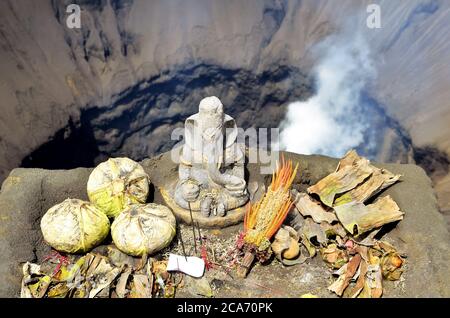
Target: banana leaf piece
29, 270
121, 289
373, 283
307, 206
349, 159
358, 218
358, 287
344, 179
313, 231
379, 180
349, 270
308, 245
39, 289
333, 230
101, 274
141, 286
60, 290
355, 179
103, 280
333, 256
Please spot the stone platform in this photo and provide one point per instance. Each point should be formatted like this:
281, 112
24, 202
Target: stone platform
27, 194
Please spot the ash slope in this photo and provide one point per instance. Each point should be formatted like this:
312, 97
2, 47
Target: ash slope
51, 76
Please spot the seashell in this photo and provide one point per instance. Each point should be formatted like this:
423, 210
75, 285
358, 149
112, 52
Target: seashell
293, 250
285, 245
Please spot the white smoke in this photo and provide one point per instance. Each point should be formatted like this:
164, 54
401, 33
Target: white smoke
331, 122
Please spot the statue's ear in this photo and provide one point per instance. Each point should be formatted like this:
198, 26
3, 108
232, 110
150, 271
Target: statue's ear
231, 130
189, 127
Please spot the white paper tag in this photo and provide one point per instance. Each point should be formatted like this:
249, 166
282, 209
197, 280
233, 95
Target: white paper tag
191, 265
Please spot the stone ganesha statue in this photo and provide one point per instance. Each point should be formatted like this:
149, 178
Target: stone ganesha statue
211, 170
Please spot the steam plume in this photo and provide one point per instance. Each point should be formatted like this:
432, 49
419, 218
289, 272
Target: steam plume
331, 122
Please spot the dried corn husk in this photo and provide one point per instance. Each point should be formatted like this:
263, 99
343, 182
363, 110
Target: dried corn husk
74, 226
143, 229
116, 183
263, 219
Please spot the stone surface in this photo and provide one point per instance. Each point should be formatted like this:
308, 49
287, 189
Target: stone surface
27, 193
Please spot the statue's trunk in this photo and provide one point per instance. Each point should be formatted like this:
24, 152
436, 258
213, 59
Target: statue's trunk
215, 174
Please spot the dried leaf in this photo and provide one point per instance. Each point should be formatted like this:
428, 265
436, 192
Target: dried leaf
379, 180
92, 263
307, 244
358, 287
363, 251
355, 180
391, 264
295, 220
58, 291
349, 159
39, 289
333, 256
159, 267
118, 258
121, 287
333, 230
369, 240
307, 206
344, 279
385, 246
28, 269
82, 291
312, 231
365, 218
346, 178
373, 284
391, 261
105, 292
31, 269
69, 273
141, 287
101, 276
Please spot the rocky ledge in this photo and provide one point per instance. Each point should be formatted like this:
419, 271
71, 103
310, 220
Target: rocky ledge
422, 235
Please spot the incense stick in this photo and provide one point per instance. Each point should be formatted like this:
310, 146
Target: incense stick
193, 228
199, 233
182, 246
